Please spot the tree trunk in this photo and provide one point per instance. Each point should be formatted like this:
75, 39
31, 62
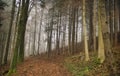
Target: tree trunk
34, 39
39, 37
50, 30
101, 51
9, 33
20, 37
106, 37
94, 24
73, 29
76, 39
116, 20
69, 33
64, 35
85, 32
111, 7
3, 40
90, 41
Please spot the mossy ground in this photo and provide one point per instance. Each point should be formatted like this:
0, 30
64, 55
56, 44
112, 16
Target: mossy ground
93, 67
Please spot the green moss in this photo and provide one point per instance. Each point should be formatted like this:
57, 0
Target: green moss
11, 71
81, 68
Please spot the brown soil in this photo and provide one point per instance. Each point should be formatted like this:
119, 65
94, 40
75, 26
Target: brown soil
37, 66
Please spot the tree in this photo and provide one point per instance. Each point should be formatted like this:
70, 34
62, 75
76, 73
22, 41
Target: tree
2, 32
101, 51
76, 35
73, 29
111, 20
116, 20
69, 32
39, 37
94, 23
9, 32
19, 45
85, 32
34, 37
50, 30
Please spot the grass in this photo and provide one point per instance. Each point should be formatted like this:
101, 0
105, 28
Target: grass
82, 68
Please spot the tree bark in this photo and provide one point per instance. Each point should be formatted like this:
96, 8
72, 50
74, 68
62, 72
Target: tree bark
39, 37
9, 33
20, 37
85, 32
94, 24
116, 20
73, 29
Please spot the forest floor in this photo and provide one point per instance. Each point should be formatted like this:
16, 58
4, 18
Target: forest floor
63, 65
41, 66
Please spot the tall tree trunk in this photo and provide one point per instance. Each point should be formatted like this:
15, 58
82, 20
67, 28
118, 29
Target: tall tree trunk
3, 39
29, 48
106, 37
101, 51
116, 17
76, 39
111, 7
20, 36
34, 39
85, 32
94, 24
73, 29
90, 3
119, 14
39, 37
57, 37
69, 33
64, 35
59, 33
16, 27
50, 30
9, 33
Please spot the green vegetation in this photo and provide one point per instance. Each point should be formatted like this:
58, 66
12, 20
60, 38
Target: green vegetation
83, 68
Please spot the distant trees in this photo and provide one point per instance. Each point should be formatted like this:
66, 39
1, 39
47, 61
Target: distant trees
50, 32
66, 24
95, 35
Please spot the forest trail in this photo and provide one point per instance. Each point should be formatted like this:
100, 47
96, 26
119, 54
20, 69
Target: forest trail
39, 66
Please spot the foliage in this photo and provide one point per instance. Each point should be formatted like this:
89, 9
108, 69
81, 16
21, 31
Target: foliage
81, 68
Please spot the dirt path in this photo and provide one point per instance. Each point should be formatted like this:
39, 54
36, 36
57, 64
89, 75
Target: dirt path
36, 66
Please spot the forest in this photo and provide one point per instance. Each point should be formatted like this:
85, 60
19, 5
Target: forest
59, 37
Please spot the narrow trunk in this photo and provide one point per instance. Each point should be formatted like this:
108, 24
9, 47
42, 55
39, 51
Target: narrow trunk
39, 37
59, 34
76, 40
94, 24
69, 33
116, 15
111, 20
34, 39
49, 46
64, 35
73, 29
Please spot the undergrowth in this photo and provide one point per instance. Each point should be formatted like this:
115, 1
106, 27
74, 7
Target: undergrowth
83, 68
